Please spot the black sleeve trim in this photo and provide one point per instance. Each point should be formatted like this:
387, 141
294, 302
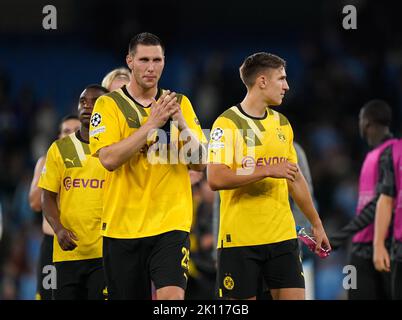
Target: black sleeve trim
386, 181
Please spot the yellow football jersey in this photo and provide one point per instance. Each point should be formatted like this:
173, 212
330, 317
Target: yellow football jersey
147, 195
257, 213
78, 179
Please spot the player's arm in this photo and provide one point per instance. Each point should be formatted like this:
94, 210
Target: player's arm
382, 222
49, 182
35, 192
359, 222
195, 151
66, 238
194, 148
116, 154
224, 147
383, 211
300, 193
304, 167
222, 177
197, 167
366, 217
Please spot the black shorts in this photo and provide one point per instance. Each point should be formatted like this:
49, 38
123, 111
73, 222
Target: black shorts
396, 280
240, 269
396, 270
80, 280
45, 259
370, 283
131, 264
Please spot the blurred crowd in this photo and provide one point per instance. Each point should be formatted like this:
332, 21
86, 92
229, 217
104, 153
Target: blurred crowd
332, 73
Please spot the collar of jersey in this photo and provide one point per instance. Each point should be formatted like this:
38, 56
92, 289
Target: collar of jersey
78, 136
124, 89
249, 116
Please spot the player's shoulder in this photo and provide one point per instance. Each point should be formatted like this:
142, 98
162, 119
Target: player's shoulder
63, 143
390, 144
41, 160
109, 101
228, 112
229, 116
66, 138
110, 97
278, 116
397, 148
58, 147
106, 105
386, 153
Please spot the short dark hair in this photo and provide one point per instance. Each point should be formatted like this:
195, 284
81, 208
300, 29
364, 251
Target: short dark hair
67, 117
378, 111
256, 63
70, 116
97, 87
146, 39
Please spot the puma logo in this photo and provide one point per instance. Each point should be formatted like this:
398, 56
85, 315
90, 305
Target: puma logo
96, 138
69, 160
249, 139
132, 119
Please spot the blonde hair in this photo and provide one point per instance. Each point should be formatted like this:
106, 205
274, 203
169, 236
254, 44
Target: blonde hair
121, 73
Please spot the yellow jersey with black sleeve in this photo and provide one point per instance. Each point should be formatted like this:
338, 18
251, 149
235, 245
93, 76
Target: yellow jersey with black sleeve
143, 197
257, 213
78, 179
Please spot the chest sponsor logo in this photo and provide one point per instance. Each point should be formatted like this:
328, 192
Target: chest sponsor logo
69, 183
250, 162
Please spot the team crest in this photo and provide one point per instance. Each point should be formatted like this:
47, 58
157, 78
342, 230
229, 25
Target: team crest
281, 136
96, 119
217, 134
228, 283
105, 294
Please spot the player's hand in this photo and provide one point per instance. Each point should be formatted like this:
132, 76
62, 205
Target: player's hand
287, 170
162, 109
320, 237
177, 115
336, 243
66, 239
195, 176
381, 259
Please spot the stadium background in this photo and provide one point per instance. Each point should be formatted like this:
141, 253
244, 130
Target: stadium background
332, 72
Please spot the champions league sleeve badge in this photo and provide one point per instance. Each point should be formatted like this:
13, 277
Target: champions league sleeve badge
96, 119
217, 134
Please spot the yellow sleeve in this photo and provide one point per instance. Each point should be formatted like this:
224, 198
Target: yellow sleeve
292, 157
104, 127
221, 145
52, 172
192, 120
